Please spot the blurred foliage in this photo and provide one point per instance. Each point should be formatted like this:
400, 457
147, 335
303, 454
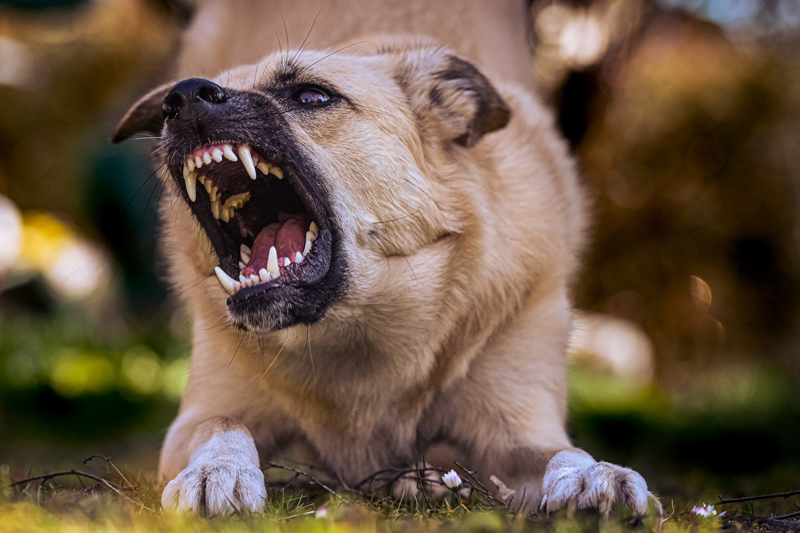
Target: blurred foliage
687, 135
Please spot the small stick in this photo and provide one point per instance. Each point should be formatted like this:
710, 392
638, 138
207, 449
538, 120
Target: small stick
109, 462
751, 498
421, 487
780, 517
313, 480
484, 492
45, 477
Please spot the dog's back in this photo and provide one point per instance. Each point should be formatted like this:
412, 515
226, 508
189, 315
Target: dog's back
224, 33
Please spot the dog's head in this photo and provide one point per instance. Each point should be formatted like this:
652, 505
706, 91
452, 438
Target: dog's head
306, 170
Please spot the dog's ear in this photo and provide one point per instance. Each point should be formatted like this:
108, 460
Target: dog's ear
145, 115
452, 95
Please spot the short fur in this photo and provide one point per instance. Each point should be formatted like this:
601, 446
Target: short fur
461, 222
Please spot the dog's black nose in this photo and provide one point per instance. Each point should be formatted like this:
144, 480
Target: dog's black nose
194, 92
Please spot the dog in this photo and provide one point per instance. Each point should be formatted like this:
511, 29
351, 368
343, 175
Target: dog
375, 240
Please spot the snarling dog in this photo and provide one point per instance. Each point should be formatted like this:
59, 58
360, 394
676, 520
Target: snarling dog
376, 247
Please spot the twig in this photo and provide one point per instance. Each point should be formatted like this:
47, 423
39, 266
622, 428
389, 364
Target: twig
108, 461
780, 517
421, 488
751, 498
300, 472
483, 491
45, 477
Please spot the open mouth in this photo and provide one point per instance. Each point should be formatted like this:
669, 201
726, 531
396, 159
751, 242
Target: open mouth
261, 219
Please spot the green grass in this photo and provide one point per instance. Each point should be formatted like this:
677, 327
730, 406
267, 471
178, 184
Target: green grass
72, 504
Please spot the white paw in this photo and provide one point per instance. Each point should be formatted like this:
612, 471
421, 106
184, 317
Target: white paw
219, 480
577, 481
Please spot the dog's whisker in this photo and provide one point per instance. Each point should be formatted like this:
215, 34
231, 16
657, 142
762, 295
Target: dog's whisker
238, 345
303, 44
152, 174
398, 218
276, 355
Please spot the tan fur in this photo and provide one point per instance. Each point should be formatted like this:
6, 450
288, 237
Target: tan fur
455, 322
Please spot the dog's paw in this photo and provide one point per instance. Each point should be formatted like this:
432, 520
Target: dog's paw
222, 478
576, 481
214, 489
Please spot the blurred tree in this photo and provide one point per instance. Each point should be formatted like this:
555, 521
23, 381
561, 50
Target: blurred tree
688, 142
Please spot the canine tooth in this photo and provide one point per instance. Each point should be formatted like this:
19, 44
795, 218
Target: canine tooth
241, 265
310, 236
225, 215
207, 158
245, 258
263, 167
263, 274
208, 184
244, 249
215, 209
307, 248
236, 286
272, 262
185, 170
227, 282
197, 161
216, 155
190, 164
247, 161
191, 186
277, 172
254, 279
313, 228
227, 151
298, 257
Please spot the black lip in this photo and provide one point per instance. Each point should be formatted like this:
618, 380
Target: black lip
304, 291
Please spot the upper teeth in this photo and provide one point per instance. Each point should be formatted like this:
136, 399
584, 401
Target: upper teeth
206, 156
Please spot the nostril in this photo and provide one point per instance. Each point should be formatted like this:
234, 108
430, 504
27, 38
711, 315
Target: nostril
171, 105
212, 93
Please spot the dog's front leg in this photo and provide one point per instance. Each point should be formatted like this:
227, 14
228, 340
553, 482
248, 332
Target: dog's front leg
223, 474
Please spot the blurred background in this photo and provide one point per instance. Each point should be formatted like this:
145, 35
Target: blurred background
685, 118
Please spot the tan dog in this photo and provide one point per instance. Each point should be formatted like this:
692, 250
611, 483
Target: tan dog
393, 237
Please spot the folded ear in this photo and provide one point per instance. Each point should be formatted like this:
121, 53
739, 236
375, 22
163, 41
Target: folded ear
450, 96
145, 115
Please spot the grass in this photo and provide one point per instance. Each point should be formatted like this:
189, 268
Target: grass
73, 504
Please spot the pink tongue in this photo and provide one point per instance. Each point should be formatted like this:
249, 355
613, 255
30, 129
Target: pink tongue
288, 236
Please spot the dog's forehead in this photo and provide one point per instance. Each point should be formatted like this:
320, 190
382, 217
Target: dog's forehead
347, 72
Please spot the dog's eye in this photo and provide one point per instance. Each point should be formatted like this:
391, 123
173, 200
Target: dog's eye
311, 96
